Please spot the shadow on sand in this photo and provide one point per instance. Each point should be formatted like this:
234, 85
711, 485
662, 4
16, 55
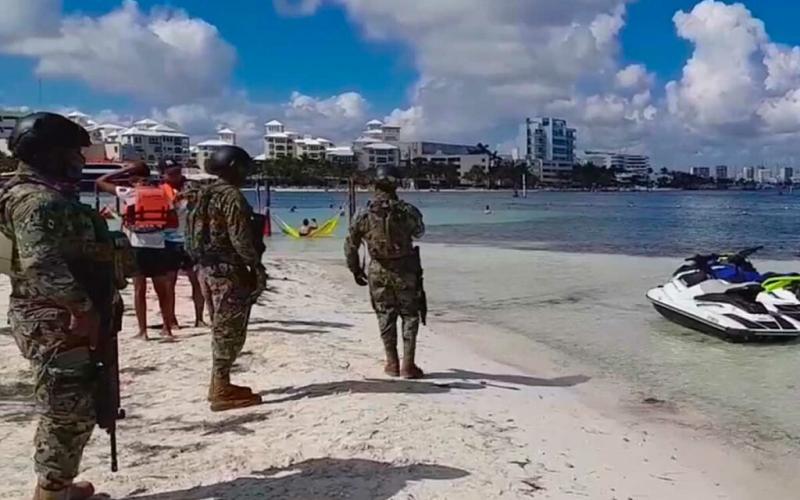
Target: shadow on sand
317, 324
368, 386
318, 479
457, 374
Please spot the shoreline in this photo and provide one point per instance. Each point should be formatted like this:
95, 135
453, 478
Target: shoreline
333, 426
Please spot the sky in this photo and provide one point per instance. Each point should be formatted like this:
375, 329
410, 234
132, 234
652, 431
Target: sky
688, 82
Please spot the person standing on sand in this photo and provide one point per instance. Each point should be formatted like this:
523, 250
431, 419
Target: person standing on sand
389, 227
53, 319
174, 185
221, 237
147, 213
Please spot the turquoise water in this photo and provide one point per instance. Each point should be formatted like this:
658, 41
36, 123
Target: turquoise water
584, 296
658, 223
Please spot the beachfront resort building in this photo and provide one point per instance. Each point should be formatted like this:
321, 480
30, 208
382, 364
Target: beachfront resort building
627, 167
152, 142
749, 174
721, 172
205, 149
464, 157
378, 154
8, 120
704, 172
549, 146
281, 143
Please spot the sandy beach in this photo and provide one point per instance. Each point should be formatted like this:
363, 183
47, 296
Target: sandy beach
333, 426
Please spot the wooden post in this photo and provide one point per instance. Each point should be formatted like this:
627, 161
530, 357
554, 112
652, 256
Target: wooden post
351, 199
268, 226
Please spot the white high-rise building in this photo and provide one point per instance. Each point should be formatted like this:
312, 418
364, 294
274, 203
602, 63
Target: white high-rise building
762, 175
749, 174
549, 139
549, 147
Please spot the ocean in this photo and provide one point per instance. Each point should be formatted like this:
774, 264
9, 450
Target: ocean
570, 270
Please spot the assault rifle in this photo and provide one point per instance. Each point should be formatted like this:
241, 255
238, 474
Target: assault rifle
102, 276
422, 297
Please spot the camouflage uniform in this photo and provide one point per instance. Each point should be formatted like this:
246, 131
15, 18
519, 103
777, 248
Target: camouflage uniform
219, 223
51, 231
388, 226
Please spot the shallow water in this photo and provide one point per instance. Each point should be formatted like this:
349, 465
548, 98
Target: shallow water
591, 305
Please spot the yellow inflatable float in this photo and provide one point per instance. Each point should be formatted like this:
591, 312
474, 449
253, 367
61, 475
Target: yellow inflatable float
327, 228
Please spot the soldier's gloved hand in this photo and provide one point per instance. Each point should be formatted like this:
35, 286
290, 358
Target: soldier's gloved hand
361, 278
87, 325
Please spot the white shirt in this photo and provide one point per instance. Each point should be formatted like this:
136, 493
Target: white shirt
154, 239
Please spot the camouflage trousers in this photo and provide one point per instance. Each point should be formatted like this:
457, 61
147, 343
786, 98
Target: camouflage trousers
394, 295
64, 394
229, 288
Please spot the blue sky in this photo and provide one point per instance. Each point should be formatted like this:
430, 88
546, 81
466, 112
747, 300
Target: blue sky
436, 68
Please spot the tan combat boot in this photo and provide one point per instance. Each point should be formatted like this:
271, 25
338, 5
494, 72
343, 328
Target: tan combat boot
410, 370
226, 396
226, 382
392, 367
77, 491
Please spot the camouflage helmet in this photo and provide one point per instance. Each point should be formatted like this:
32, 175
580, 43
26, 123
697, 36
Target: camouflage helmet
387, 178
42, 132
230, 159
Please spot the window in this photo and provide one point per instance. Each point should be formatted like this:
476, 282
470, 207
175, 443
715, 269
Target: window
154, 140
157, 149
137, 139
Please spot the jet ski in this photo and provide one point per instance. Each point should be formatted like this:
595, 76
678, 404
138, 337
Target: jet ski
725, 296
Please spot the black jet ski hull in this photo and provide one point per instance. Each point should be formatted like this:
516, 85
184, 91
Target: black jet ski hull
733, 335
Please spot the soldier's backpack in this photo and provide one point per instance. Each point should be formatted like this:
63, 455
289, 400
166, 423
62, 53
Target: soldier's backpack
389, 230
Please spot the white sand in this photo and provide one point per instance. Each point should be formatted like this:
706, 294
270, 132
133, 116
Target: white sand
334, 427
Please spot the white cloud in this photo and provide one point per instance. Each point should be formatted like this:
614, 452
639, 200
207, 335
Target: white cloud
485, 66
634, 77
162, 56
297, 7
24, 18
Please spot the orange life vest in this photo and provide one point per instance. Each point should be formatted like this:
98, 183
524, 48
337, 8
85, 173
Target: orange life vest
151, 211
170, 191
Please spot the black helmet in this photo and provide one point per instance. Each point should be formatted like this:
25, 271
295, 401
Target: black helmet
387, 177
229, 159
40, 132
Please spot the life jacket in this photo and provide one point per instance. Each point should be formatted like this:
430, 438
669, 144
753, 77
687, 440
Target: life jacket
151, 211
170, 191
389, 232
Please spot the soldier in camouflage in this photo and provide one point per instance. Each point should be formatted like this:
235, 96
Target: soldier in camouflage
220, 237
389, 227
53, 320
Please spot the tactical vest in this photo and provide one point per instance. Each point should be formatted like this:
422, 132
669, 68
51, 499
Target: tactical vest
109, 247
388, 234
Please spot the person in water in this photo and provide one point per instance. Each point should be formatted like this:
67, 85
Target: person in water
314, 225
487, 210
306, 228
